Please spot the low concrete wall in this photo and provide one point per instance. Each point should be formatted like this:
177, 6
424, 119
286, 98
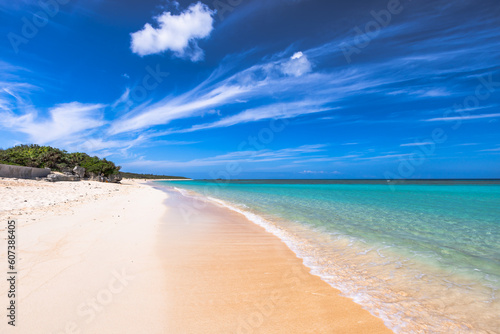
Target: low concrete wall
21, 172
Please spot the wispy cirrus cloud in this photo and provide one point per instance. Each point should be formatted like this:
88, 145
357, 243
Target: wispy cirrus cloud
63, 122
245, 156
462, 118
173, 109
257, 81
386, 156
319, 172
273, 111
491, 150
269, 79
433, 92
326, 158
283, 76
416, 144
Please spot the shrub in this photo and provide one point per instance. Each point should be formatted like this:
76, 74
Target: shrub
55, 159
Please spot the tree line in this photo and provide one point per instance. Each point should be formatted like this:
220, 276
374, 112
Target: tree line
150, 176
56, 159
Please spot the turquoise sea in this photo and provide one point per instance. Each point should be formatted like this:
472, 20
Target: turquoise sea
423, 257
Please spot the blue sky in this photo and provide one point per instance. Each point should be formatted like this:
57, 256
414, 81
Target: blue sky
258, 89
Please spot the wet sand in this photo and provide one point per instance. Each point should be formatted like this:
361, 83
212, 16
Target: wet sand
106, 258
225, 274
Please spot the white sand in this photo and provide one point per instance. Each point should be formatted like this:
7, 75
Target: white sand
87, 258
106, 258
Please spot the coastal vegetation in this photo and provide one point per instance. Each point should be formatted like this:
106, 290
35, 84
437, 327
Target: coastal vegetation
56, 159
150, 176
62, 161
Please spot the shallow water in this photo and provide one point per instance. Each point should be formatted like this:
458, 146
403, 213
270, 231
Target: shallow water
424, 258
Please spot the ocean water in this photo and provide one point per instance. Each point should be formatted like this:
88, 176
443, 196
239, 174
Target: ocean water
423, 257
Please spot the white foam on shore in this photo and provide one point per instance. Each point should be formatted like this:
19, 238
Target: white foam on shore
367, 276
298, 246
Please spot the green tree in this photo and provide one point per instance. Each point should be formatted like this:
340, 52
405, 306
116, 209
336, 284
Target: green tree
56, 159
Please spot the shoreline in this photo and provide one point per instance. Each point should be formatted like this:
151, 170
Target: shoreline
244, 279
407, 293
92, 254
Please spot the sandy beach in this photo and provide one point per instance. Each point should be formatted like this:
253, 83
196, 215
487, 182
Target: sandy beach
107, 258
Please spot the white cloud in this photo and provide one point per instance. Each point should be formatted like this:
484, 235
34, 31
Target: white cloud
253, 82
491, 150
122, 99
182, 107
274, 82
417, 144
250, 156
95, 145
177, 33
319, 172
462, 118
327, 159
274, 111
64, 123
387, 156
297, 66
434, 92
